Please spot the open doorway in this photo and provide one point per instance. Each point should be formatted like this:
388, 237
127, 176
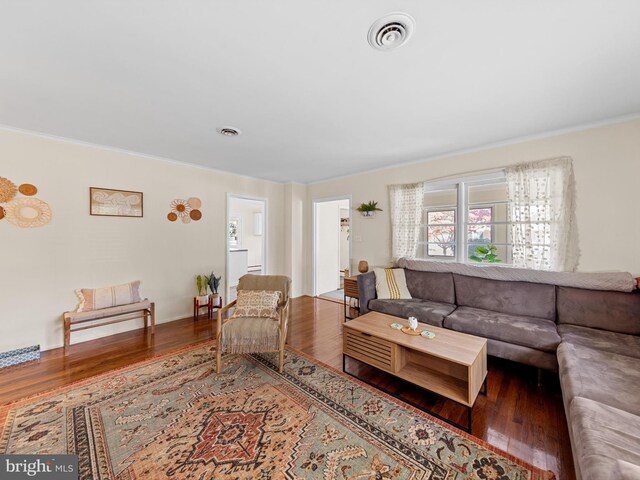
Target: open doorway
332, 246
246, 239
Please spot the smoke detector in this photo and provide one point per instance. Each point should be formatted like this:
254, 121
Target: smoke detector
391, 31
229, 131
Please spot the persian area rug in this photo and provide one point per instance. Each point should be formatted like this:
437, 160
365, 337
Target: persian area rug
173, 417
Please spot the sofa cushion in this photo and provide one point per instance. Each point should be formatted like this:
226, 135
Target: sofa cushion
626, 471
391, 307
602, 436
518, 329
601, 340
437, 287
515, 298
520, 354
391, 284
432, 313
605, 377
613, 311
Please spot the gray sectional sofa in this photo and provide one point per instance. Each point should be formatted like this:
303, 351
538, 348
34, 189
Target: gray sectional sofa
592, 337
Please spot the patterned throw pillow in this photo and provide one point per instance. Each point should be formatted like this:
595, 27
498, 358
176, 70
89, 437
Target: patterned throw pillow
99, 298
391, 284
257, 304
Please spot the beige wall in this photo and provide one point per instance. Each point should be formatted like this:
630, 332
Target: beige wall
41, 267
297, 238
607, 171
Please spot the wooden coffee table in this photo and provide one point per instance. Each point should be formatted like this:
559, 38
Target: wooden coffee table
452, 364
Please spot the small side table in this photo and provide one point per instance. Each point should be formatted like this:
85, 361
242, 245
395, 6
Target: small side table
209, 305
351, 292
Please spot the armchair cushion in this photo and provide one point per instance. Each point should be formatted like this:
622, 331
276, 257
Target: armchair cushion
257, 304
277, 283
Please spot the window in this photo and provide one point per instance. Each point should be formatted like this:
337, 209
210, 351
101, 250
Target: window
441, 233
235, 232
466, 221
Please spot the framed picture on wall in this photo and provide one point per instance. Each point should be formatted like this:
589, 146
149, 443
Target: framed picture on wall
115, 203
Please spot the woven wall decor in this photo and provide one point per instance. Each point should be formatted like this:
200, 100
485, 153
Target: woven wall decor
27, 212
185, 210
7, 190
22, 212
27, 189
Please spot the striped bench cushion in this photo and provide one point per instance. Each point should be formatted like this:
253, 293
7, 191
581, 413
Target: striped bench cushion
107, 312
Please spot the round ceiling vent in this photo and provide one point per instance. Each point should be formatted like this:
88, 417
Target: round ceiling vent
391, 31
229, 131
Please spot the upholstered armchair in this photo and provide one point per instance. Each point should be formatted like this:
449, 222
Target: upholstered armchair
255, 334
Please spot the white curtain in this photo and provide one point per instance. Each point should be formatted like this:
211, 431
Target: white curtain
542, 214
406, 203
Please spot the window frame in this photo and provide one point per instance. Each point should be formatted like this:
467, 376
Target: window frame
426, 243
461, 209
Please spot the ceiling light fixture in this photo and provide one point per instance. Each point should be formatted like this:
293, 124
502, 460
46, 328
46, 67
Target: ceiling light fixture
229, 131
391, 31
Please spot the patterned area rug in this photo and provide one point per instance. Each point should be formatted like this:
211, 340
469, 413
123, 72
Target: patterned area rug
173, 417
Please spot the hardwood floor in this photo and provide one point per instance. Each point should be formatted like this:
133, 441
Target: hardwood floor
516, 415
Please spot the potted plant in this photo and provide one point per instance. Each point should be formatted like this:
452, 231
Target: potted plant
485, 254
368, 209
201, 283
214, 282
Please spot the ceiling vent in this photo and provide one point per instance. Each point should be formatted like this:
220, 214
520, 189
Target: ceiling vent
229, 131
391, 31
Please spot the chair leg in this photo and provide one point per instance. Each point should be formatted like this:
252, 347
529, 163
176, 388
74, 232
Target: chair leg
218, 358
67, 333
281, 364
153, 318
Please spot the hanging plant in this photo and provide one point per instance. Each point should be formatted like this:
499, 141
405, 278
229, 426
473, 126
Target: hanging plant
368, 209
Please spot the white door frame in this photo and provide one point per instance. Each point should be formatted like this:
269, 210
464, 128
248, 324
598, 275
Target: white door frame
238, 196
314, 203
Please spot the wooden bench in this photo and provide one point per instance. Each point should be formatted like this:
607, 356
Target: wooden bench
122, 313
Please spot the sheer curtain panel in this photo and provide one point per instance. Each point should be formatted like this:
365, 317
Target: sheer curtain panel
406, 202
541, 210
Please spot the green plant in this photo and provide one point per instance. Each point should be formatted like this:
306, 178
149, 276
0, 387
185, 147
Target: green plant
369, 207
201, 282
213, 282
485, 254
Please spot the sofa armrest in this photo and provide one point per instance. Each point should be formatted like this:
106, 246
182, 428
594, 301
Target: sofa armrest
366, 290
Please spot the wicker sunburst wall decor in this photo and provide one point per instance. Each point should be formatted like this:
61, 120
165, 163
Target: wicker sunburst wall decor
8, 190
27, 212
185, 210
22, 212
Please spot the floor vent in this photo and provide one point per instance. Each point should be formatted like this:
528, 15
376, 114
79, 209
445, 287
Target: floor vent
20, 355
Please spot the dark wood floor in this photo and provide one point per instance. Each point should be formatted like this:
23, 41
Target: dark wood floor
516, 415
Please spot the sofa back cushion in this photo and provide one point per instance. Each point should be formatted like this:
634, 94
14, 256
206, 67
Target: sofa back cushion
514, 298
437, 287
613, 311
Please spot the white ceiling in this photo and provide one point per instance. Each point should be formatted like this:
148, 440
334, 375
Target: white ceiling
312, 98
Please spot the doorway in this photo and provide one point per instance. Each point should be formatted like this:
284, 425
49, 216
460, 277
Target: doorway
246, 240
331, 246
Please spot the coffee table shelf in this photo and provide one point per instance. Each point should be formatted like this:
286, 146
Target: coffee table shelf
452, 364
438, 382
